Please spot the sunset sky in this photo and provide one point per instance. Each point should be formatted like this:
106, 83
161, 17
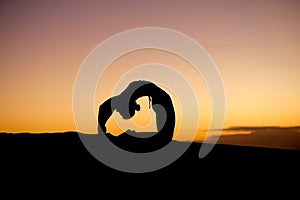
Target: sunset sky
255, 45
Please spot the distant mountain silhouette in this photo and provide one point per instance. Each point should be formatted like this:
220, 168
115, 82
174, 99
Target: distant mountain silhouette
272, 137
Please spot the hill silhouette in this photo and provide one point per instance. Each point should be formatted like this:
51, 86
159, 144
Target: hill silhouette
61, 155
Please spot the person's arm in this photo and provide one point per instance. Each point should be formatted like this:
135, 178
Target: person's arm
105, 111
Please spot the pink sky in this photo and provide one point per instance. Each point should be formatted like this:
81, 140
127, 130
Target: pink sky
255, 44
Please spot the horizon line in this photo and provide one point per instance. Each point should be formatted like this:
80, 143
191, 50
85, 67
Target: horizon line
231, 128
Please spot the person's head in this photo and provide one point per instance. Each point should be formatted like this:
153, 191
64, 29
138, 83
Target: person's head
126, 105
126, 110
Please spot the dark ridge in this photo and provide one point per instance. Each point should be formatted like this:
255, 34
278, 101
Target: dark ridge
62, 158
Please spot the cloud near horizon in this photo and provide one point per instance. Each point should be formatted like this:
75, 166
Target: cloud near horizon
268, 136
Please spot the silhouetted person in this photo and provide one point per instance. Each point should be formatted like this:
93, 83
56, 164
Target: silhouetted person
126, 105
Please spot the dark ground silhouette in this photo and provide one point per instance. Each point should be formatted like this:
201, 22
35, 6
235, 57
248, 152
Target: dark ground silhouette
56, 164
63, 156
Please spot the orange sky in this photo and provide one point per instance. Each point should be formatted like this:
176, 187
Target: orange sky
255, 44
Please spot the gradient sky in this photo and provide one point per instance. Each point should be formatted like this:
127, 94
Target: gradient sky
255, 44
